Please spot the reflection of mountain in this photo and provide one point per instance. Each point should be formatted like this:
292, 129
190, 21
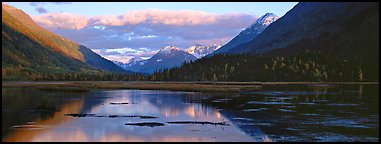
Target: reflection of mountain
249, 129
24, 110
166, 105
90, 102
174, 104
191, 105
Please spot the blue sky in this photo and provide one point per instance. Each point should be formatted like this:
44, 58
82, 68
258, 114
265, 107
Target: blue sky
124, 30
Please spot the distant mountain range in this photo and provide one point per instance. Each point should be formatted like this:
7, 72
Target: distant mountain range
131, 62
249, 33
167, 57
173, 57
27, 47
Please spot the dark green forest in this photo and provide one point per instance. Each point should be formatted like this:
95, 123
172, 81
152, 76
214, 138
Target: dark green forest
313, 66
16, 74
307, 66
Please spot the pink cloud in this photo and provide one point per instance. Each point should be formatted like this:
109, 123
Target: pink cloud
61, 20
149, 16
152, 29
156, 16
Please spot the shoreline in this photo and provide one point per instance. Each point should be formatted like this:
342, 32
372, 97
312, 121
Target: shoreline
232, 87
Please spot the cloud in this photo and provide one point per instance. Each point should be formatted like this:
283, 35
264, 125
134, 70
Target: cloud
121, 37
61, 20
41, 10
42, 3
39, 6
125, 54
156, 16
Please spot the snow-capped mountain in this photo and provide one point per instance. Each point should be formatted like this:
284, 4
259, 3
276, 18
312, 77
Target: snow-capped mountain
118, 63
249, 33
132, 62
167, 57
266, 19
200, 51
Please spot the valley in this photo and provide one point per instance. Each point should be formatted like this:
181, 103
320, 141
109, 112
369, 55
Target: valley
202, 72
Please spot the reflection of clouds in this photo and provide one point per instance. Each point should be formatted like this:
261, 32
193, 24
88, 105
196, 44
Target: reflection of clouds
72, 136
198, 110
267, 139
169, 112
168, 106
79, 135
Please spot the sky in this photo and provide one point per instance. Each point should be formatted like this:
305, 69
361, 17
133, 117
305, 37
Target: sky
120, 31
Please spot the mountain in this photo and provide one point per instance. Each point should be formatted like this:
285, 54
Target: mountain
120, 64
250, 32
27, 47
131, 62
200, 51
167, 57
347, 29
333, 41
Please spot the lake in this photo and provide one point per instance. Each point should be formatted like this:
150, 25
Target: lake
275, 113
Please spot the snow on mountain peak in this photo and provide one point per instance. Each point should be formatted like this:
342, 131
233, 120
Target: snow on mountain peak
134, 59
168, 48
267, 19
200, 51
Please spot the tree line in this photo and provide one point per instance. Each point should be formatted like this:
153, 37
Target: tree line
306, 66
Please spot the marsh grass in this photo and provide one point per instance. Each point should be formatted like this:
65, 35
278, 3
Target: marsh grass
226, 87
191, 87
86, 86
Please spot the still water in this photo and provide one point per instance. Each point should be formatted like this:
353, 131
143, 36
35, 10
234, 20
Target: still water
276, 113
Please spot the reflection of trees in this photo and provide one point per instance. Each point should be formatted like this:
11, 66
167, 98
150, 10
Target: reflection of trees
29, 100
360, 91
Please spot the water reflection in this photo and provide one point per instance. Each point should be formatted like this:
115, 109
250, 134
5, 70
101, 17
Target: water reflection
166, 105
276, 113
308, 113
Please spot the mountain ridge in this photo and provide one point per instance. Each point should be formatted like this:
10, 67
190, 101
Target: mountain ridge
306, 21
27, 47
249, 33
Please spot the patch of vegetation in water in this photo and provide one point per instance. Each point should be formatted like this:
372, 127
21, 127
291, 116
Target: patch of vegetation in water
123, 103
111, 116
199, 122
149, 124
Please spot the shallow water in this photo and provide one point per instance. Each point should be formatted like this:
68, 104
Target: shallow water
276, 113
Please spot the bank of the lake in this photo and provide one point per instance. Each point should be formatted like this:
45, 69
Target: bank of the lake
200, 86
